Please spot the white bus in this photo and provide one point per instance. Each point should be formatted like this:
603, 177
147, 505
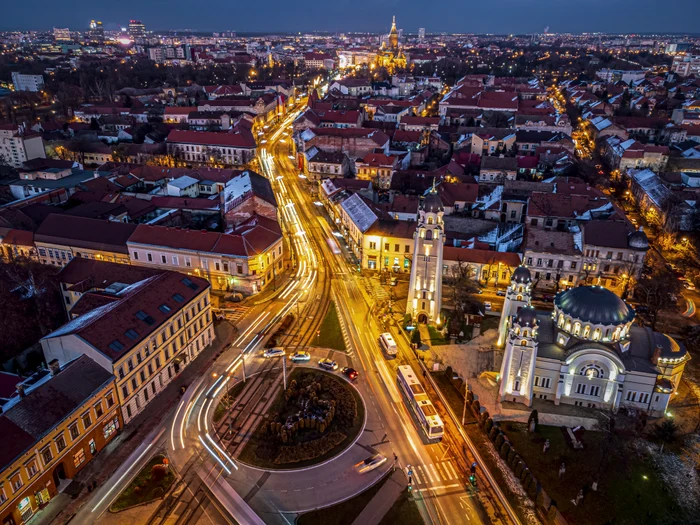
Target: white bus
420, 402
388, 344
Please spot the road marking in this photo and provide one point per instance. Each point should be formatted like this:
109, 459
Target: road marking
443, 471
427, 472
437, 474
415, 476
447, 465
441, 487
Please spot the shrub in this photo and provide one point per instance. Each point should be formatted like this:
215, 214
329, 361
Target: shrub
494, 433
525, 473
476, 407
505, 449
158, 492
158, 472
310, 449
519, 469
470, 397
449, 372
484, 416
489, 425
511, 456
500, 439
532, 488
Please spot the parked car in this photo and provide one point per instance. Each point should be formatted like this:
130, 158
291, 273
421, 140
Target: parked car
300, 356
350, 372
487, 306
500, 292
328, 364
394, 281
370, 463
273, 352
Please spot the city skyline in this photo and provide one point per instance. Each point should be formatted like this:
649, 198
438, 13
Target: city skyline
623, 16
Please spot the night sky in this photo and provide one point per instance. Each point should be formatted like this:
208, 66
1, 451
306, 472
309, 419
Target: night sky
499, 16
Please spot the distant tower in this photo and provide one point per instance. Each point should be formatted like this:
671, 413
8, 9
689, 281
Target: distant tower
393, 35
425, 288
421, 34
518, 368
517, 297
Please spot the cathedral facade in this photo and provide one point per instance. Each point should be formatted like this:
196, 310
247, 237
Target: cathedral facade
587, 352
391, 56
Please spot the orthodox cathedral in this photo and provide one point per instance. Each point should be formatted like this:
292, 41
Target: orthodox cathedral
391, 56
587, 352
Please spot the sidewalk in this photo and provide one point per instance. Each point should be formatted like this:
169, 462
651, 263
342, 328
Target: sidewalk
61, 509
271, 292
383, 500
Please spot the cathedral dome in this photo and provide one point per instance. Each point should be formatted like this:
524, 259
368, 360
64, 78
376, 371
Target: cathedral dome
594, 304
526, 316
432, 203
522, 275
638, 240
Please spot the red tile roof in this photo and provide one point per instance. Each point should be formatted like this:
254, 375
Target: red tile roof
450, 253
240, 138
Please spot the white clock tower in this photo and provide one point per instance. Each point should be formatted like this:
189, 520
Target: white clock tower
425, 288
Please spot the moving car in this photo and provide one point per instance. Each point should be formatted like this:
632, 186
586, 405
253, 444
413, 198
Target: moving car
300, 355
500, 292
273, 352
370, 463
487, 306
328, 364
350, 372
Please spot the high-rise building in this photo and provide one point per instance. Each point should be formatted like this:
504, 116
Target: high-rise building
34, 83
137, 29
61, 34
96, 33
421, 34
425, 288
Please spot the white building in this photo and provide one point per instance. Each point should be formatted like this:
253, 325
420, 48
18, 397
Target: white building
587, 352
18, 145
425, 287
34, 83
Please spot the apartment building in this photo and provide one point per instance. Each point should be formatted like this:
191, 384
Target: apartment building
19, 144
33, 83
55, 424
247, 260
61, 238
234, 148
144, 335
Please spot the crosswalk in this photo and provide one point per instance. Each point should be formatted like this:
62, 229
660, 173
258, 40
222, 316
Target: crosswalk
439, 473
233, 315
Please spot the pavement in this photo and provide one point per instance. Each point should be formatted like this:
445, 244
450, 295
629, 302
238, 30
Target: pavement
60, 510
383, 500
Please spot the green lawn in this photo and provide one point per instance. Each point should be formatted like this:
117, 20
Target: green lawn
343, 513
436, 337
144, 488
403, 511
628, 486
331, 334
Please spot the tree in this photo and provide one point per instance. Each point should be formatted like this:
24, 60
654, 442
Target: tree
415, 337
463, 287
655, 293
666, 431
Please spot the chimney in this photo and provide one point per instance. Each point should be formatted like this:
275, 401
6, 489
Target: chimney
20, 390
55, 367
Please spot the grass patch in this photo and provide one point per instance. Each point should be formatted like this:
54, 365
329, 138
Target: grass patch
628, 486
261, 450
436, 338
403, 511
331, 334
226, 401
145, 486
343, 513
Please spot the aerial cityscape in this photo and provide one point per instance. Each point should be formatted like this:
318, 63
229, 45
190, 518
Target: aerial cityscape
351, 264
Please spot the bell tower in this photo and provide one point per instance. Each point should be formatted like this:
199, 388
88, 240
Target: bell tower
518, 367
425, 288
517, 296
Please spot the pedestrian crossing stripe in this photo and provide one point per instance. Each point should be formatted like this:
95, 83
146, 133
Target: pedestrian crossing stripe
434, 473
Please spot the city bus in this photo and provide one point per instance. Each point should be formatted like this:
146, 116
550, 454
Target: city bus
420, 402
388, 344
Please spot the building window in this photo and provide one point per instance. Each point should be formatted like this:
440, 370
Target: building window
79, 458
31, 469
98, 410
163, 259
111, 427
93, 447
149, 256
60, 443
74, 431
136, 256
581, 388
47, 455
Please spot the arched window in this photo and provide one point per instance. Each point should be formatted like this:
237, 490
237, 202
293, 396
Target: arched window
520, 298
526, 333
577, 328
608, 332
568, 325
523, 343
586, 331
596, 334
430, 220
517, 330
616, 334
592, 371
429, 235
560, 323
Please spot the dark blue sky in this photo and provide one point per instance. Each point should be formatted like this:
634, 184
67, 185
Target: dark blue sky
499, 16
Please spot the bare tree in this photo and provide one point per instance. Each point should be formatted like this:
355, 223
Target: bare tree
655, 293
460, 280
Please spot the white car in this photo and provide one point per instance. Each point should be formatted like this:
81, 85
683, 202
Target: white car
487, 306
300, 356
370, 463
273, 352
328, 364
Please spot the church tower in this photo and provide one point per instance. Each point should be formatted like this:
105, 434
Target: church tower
517, 296
425, 288
518, 367
393, 35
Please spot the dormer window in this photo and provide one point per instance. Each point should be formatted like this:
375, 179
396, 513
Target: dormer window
430, 220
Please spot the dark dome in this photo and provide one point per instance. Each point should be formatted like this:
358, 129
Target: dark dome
432, 203
526, 316
522, 275
594, 304
638, 240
